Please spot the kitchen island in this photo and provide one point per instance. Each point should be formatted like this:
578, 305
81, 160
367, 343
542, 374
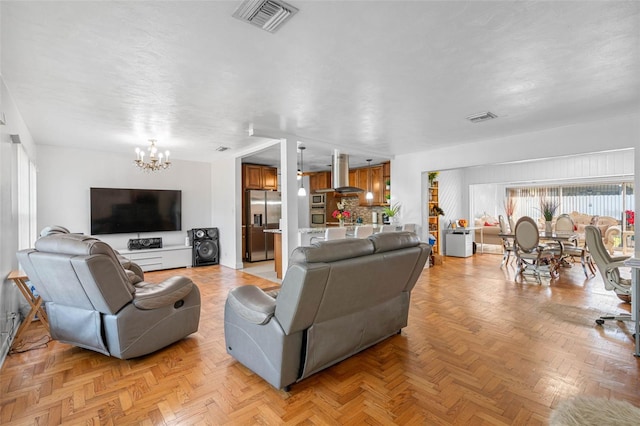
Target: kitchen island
277, 250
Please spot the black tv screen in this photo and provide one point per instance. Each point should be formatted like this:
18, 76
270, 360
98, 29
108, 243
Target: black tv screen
120, 211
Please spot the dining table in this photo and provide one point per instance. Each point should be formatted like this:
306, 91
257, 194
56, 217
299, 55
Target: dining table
560, 238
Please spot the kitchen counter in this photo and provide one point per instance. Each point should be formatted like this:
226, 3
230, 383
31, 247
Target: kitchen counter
350, 227
305, 234
277, 250
304, 239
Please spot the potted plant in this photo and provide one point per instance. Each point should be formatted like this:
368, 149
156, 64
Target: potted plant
509, 207
432, 177
341, 214
388, 198
437, 211
548, 207
392, 211
388, 184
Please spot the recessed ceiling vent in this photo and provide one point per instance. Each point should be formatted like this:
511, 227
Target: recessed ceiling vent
266, 14
482, 116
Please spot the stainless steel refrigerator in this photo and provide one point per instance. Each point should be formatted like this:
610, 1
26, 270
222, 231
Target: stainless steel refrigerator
263, 211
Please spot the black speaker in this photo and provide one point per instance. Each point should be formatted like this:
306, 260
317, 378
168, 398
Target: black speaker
144, 243
205, 246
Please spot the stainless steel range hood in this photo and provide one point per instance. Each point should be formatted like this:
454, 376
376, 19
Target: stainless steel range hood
340, 175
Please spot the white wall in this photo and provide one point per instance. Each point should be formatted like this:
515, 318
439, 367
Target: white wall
609, 134
65, 176
488, 183
226, 205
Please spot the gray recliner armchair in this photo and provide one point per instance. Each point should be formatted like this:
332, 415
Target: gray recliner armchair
337, 298
126, 263
93, 302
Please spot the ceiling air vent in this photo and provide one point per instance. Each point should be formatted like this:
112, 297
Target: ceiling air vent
266, 14
222, 148
482, 116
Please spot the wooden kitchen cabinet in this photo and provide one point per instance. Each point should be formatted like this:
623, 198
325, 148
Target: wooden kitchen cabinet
319, 180
377, 185
366, 178
270, 178
362, 182
369, 178
256, 176
353, 177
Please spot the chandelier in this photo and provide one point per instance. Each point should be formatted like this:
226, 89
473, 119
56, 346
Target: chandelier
157, 160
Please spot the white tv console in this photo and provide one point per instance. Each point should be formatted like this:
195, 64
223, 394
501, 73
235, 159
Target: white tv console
167, 257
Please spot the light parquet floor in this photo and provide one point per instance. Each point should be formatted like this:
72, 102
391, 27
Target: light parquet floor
480, 349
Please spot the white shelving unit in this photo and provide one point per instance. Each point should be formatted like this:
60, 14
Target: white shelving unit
167, 257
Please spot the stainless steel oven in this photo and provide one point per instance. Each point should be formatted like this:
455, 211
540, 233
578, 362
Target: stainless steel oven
317, 201
317, 218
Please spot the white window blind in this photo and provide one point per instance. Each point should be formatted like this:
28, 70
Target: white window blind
610, 199
26, 197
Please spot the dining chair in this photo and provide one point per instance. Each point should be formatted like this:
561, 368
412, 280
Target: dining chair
530, 254
609, 268
334, 233
507, 242
411, 227
363, 231
573, 249
388, 228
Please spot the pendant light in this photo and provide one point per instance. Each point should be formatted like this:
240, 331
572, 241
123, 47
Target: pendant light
369, 195
301, 191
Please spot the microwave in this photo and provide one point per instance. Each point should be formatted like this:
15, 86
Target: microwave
317, 218
317, 200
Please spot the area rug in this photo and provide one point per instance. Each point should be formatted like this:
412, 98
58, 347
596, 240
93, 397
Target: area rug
588, 411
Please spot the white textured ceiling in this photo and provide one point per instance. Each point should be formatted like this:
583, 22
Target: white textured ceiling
375, 78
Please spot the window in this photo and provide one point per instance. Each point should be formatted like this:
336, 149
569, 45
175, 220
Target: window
26, 197
608, 199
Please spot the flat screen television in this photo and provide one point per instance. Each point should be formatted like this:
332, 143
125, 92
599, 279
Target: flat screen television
120, 211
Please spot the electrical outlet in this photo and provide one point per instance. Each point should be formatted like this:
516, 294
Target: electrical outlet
12, 315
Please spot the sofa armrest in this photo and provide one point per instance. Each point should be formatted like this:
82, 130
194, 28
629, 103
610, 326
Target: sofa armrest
168, 292
252, 304
128, 265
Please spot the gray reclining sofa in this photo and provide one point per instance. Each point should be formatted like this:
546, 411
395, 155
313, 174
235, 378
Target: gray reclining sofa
97, 300
337, 298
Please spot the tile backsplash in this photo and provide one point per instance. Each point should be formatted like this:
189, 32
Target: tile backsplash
352, 205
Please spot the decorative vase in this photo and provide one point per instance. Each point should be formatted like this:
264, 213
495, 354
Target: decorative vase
341, 222
547, 227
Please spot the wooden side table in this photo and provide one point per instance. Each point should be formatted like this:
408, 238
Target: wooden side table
35, 302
